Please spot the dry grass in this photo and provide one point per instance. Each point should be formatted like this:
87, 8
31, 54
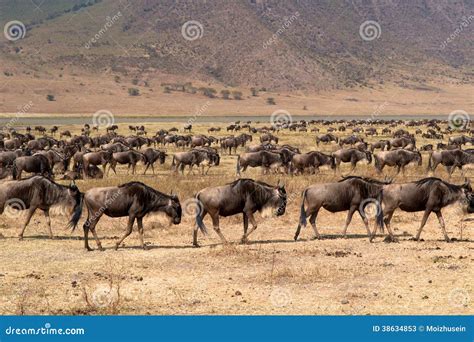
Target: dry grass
271, 275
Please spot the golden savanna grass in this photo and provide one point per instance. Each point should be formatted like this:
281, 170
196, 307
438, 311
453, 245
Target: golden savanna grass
270, 275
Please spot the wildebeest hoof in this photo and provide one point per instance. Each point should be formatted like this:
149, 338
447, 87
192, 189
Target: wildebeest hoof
389, 239
100, 248
88, 249
116, 246
244, 241
196, 245
316, 237
20, 237
146, 248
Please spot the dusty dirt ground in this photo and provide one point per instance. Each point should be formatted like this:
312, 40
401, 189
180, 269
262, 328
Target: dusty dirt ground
270, 275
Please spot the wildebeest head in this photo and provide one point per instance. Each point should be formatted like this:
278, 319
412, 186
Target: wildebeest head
418, 158
332, 162
74, 201
277, 202
470, 206
173, 209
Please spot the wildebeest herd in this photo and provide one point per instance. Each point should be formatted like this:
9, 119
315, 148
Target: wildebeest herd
92, 155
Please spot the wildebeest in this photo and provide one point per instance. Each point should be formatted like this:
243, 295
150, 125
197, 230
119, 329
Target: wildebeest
398, 158
131, 158
311, 160
326, 138
152, 156
244, 196
38, 192
199, 157
265, 159
134, 200
96, 158
450, 159
37, 163
351, 155
428, 195
349, 194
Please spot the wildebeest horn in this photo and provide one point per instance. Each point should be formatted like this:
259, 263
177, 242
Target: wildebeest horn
280, 184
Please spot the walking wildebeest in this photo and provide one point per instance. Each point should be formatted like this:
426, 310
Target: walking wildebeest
349, 194
450, 159
38, 192
134, 200
351, 155
265, 159
428, 195
244, 196
398, 158
96, 158
152, 156
35, 164
131, 158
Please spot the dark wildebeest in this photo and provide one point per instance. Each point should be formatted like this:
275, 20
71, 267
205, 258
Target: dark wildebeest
382, 144
8, 157
265, 159
398, 158
351, 155
37, 163
199, 157
428, 195
152, 156
131, 158
134, 200
311, 160
450, 159
326, 138
38, 192
244, 196
187, 127
349, 194
96, 158
461, 140
401, 142
268, 137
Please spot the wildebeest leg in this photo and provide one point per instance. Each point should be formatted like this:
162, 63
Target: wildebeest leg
128, 168
48, 221
366, 223
140, 231
254, 226
441, 223
134, 165
146, 168
348, 220
246, 226
131, 219
312, 220
196, 228
30, 213
215, 225
90, 225
423, 222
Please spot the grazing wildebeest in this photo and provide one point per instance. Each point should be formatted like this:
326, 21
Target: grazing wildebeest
351, 155
268, 137
35, 164
311, 160
401, 142
134, 200
461, 140
450, 159
244, 196
96, 158
349, 194
326, 138
152, 156
38, 192
7, 157
398, 158
199, 157
131, 158
428, 195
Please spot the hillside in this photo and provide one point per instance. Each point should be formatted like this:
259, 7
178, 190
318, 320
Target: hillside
90, 53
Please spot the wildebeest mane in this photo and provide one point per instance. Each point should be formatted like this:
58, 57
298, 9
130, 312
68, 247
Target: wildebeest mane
259, 191
429, 181
144, 193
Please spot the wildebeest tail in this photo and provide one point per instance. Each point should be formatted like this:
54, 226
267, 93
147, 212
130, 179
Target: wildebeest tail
238, 165
76, 215
14, 171
379, 217
429, 162
303, 210
199, 210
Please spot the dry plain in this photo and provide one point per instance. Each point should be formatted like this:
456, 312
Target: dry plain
270, 275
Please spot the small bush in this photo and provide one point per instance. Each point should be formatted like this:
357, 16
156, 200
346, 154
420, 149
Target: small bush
271, 101
237, 95
50, 97
225, 94
133, 92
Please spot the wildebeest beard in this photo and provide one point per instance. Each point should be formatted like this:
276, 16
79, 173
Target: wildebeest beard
260, 193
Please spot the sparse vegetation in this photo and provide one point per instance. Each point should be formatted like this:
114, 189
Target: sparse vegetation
50, 97
133, 91
225, 94
237, 95
271, 101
